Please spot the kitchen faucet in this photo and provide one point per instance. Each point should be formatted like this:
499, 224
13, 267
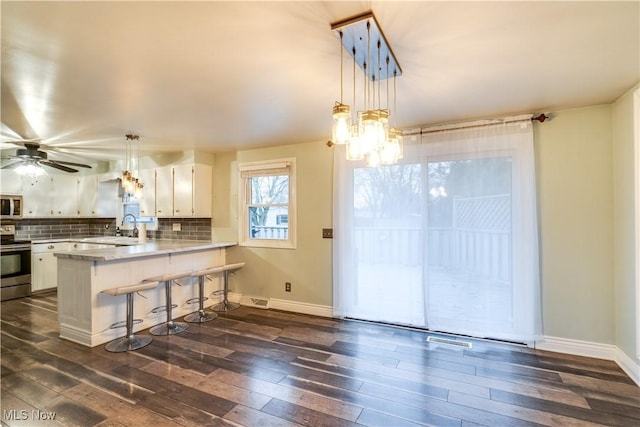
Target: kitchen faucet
135, 223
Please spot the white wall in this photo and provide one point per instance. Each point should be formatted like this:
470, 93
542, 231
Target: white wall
625, 218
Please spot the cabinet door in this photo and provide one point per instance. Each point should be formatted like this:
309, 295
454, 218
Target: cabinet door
64, 196
10, 182
202, 191
183, 191
88, 196
148, 200
36, 195
44, 271
44, 265
164, 192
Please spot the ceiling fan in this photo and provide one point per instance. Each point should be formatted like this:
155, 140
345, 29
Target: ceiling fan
31, 155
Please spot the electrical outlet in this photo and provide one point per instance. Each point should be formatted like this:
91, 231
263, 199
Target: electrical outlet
327, 233
287, 286
176, 226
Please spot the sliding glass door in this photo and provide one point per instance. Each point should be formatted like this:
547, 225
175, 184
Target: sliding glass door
445, 240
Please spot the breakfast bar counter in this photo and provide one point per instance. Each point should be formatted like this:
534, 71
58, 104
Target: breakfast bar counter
86, 315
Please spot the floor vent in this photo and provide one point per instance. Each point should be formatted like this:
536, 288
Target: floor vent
457, 343
260, 303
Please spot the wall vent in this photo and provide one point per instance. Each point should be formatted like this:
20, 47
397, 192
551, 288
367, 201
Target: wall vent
456, 343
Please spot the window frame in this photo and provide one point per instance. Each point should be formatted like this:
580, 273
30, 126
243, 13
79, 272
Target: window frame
248, 170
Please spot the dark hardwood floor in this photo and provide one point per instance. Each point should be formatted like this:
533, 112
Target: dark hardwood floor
255, 367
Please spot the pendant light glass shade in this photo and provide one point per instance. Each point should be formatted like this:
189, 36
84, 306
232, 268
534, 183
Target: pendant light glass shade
341, 123
354, 147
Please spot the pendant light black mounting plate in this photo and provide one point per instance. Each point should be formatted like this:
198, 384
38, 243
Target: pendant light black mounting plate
354, 34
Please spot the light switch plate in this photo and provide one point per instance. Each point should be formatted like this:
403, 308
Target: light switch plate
327, 233
176, 227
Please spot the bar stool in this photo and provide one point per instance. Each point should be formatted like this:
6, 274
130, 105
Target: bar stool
169, 327
129, 341
225, 305
201, 315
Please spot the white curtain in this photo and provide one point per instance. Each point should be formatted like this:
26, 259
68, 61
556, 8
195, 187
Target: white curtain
447, 238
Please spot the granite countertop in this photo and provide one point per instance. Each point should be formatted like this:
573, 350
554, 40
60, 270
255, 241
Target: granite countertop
109, 240
133, 249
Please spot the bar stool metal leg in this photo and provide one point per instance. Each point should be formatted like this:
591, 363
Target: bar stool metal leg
169, 327
201, 315
130, 341
226, 305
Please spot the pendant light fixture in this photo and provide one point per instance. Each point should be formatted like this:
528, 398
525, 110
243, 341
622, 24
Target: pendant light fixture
368, 136
130, 183
341, 112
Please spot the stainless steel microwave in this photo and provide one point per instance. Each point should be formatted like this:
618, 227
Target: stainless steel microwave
10, 207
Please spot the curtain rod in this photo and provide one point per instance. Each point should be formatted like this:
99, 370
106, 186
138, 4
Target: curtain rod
434, 129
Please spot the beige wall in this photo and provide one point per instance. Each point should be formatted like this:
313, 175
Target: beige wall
574, 159
308, 267
575, 203
624, 185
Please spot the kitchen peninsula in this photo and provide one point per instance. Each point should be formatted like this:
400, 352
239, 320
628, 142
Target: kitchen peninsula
86, 315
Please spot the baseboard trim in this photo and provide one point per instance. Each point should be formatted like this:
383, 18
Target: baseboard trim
301, 307
628, 365
592, 349
577, 347
282, 304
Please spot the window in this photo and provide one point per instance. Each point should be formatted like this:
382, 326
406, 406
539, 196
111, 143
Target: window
267, 204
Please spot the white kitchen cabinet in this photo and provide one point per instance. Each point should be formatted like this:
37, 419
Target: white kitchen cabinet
64, 196
164, 192
87, 196
183, 190
202, 191
44, 265
148, 199
36, 196
179, 191
10, 182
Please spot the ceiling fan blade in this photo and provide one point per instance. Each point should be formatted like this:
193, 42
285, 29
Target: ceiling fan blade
10, 165
57, 166
60, 162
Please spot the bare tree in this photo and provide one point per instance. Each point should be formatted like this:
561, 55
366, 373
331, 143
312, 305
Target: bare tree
266, 191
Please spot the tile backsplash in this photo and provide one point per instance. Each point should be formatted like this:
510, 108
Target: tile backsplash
56, 228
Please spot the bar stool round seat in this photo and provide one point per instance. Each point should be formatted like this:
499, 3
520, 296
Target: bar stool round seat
226, 305
170, 327
129, 341
202, 315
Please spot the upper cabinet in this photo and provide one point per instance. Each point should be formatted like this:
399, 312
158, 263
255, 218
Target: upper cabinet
10, 182
175, 191
182, 191
164, 192
148, 199
64, 196
88, 196
36, 196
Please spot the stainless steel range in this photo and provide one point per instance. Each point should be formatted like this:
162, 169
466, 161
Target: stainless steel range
15, 264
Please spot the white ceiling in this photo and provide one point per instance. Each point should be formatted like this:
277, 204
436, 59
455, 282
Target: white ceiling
226, 75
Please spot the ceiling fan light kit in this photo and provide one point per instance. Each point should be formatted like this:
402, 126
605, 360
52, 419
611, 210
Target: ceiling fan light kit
30, 161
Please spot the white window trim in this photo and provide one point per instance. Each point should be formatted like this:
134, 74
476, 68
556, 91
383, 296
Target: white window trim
243, 202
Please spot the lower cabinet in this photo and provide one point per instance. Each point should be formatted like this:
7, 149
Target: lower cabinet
44, 264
